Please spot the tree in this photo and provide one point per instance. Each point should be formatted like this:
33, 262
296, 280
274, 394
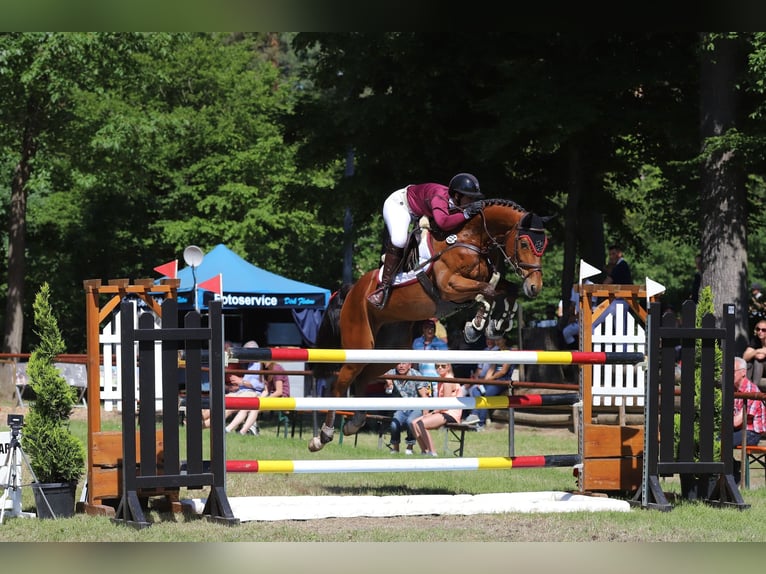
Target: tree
56, 455
723, 194
40, 74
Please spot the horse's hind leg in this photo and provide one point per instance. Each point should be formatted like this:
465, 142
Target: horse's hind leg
356, 422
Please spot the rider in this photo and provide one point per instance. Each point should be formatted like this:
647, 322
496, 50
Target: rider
432, 200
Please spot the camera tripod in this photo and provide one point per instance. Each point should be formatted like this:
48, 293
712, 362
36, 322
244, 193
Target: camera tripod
11, 471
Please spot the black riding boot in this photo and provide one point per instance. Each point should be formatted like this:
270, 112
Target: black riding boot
391, 262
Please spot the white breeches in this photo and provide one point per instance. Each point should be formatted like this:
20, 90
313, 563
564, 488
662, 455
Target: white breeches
396, 214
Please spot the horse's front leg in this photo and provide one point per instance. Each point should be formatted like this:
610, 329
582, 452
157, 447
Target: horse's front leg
474, 328
460, 288
325, 433
503, 311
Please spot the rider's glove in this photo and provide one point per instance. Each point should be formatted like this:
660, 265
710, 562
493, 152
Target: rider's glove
470, 211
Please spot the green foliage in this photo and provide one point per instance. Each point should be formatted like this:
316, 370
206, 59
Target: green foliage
704, 307
147, 142
56, 455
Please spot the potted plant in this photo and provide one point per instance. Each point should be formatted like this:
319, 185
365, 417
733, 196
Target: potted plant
57, 458
701, 486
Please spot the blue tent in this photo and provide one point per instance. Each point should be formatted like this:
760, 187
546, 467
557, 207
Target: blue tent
247, 288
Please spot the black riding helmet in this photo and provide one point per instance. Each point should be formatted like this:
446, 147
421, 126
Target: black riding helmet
465, 184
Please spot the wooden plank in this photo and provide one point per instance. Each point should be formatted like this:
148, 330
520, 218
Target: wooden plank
612, 474
106, 485
107, 448
611, 441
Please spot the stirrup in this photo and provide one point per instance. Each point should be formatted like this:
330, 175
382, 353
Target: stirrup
386, 292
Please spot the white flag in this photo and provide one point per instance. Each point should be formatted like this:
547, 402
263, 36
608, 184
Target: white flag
587, 270
653, 288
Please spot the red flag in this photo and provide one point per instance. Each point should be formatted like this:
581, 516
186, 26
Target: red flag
214, 284
169, 269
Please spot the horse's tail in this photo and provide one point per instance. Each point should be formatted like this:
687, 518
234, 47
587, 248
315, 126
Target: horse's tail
328, 335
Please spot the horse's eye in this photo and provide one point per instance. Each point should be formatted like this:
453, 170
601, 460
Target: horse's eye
524, 244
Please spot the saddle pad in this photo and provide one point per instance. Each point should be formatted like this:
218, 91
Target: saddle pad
424, 254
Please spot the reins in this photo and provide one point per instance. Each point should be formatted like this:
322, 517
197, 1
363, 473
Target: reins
518, 266
493, 244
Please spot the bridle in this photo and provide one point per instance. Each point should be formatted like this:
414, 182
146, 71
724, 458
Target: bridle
535, 236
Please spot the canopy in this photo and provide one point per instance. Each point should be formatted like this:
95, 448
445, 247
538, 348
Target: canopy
247, 287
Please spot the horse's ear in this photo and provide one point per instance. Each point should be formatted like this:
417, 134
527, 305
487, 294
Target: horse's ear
547, 218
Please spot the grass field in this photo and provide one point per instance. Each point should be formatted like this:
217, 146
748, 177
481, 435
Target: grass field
687, 522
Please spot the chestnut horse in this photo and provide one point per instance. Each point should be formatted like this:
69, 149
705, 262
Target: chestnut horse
464, 267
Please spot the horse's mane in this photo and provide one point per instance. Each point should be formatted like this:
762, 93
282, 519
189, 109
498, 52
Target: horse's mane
499, 201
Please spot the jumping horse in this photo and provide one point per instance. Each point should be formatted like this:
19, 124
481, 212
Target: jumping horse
460, 269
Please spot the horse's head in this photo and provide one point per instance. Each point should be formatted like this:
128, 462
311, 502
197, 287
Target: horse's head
518, 235
524, 248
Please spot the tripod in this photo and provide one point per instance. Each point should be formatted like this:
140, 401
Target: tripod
11, 471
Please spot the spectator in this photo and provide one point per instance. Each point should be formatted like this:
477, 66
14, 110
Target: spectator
477, 389
755, 353
446, 206
752, 422
618, 270
495, 372
571, 326
248, 385
228, 385
438, 418
456, 341
756, 307
550, 318
429, 341
402, 419
277, 382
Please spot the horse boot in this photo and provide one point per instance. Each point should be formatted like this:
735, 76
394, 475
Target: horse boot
391, 262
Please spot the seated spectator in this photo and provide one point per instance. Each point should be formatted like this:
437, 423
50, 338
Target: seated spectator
277, 382
753, 421
228, 385
438, 418
477, 389
755, 353
495, 372
248, 385
429, 341
550, 320
402, 419
570, 329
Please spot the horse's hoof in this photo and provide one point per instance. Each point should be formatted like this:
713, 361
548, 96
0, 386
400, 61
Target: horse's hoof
315, 444
356, 423
470, 333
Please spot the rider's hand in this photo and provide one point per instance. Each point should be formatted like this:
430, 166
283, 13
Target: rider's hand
471, 210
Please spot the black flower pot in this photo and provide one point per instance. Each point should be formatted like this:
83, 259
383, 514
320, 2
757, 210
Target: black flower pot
60, 497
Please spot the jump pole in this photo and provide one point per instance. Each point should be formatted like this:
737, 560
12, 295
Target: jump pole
426, 356
384, 403
428, 464
396, 403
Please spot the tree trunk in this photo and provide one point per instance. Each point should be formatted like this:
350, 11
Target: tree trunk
574, 191
14, 323
17, 240
723, 194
